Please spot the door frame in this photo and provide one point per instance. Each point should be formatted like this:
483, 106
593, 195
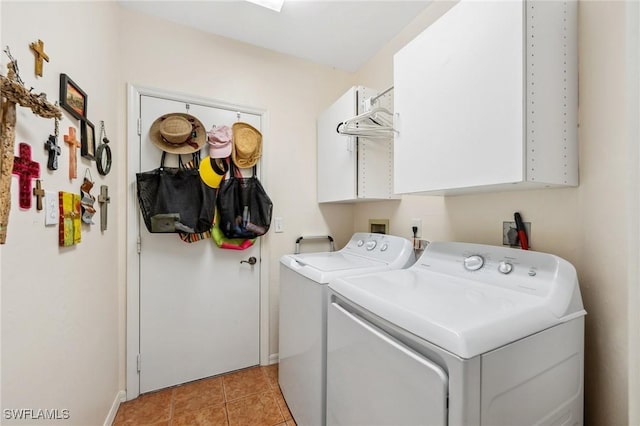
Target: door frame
134, 92
632, 38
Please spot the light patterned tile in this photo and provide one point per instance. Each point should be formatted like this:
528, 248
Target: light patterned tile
253, 399
210, 416
148, 409
254, 410
197, 395
271, 371
245, 382
284, 409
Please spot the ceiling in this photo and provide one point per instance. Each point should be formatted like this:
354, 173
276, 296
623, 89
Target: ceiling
341, 34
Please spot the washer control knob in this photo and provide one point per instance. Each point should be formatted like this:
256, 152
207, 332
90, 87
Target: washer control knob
371, 245
505, 267
473, 263
360, 243
384, 247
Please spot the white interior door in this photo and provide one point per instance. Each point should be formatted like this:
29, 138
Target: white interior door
199, 306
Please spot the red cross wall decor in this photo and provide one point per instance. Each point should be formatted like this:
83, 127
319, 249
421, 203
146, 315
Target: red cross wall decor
26, 170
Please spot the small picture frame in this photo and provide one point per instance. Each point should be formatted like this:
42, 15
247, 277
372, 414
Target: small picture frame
88, 140
72, 97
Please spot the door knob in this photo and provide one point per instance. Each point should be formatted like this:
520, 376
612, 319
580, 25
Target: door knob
251, 261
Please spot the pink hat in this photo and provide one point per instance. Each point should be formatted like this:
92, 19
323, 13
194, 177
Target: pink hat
219, 141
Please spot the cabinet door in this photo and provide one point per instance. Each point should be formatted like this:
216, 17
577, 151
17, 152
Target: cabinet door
337, 153
459, 95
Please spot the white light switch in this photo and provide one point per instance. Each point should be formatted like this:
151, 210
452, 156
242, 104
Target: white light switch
51, 209
278, 225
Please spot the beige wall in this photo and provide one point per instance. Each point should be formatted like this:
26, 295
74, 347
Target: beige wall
60, 332
586, 225
602, 201
163, 55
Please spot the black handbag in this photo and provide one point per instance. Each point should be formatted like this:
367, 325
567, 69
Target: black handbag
174, 199
244, 207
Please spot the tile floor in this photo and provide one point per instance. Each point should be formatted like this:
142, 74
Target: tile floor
249, 397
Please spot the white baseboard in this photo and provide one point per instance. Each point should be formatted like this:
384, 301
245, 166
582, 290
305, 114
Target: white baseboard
121, 396
274, 359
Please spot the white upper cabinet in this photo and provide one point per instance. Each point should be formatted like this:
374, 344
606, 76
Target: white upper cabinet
353, 168
486, 100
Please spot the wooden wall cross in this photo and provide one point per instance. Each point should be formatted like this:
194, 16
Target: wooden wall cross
38, 192
38, 49
74, 144
26, 170
104, 201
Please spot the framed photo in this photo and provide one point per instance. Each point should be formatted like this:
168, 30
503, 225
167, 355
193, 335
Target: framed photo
88, 140
72, 97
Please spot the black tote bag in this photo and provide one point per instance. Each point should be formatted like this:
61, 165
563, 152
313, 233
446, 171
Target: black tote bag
174, 199
244, 206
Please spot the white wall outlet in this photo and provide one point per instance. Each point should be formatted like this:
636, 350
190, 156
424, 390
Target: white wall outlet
417, 223
278, 226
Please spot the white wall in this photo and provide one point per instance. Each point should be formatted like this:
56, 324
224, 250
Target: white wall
586, 225
60, 335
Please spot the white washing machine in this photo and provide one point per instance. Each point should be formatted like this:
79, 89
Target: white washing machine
303, 314
469, 335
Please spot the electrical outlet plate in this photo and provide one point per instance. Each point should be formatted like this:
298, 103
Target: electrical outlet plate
510, 236
417, 223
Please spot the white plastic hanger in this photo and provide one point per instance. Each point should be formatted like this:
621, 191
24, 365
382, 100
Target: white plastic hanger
374, 124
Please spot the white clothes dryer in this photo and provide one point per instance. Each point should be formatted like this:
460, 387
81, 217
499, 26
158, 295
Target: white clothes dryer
469, 335
303, 314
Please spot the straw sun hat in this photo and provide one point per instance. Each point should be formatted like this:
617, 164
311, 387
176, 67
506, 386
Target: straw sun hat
178, 133
247, 145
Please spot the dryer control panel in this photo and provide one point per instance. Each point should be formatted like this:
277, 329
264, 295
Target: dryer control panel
526, 271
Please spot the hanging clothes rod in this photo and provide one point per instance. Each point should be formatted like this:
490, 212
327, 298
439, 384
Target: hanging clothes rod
379, 95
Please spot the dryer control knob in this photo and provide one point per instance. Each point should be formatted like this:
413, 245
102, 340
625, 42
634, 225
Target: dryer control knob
360, 243
473, 263
384, 247
505, 267
371, 245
